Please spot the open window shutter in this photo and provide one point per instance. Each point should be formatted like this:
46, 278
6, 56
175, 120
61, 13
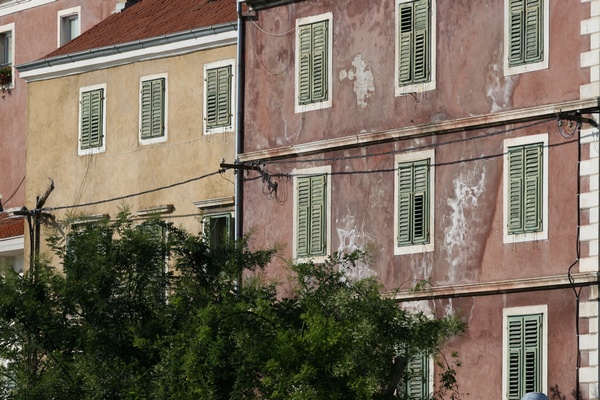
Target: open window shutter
516, 30
158, 105
515, 190
304, 70
302, 239
532, 206
95, 137
405, 185
212, 89
405, 43
319, 62
85, 120
533, 31
317, 215
223, 96
420, 214
421, 41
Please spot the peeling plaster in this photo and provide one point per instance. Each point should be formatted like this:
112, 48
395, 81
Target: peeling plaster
363, 80
462, 235
351, 239
500, 88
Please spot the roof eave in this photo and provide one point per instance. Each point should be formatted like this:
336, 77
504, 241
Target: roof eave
30, 70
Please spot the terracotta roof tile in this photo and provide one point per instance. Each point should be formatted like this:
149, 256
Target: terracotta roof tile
10, 227
149, 19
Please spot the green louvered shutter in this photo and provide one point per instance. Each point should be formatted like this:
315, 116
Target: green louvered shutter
313, 61
311, 223
524, 355
153, 103
418, 385
91, 119
414, 42
218, 97
525, 32
413, 203
525, 172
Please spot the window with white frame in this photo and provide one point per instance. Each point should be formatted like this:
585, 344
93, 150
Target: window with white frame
218, 228
69, 25
7, 45
92, 119
153, 109
415, 46
313, 62
219, 97
526, 188
526, 35
414, 202
524, 355
312, 205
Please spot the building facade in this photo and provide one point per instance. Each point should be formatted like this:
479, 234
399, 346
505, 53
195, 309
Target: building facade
147, 113
30, 29
456, 143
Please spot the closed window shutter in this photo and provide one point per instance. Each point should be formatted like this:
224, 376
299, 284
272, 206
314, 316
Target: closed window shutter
524, 355
313, 61
413, 203
311, 223
416, 384
152, 120
91, 119
525, 32
414, 42
525, 189
218, 97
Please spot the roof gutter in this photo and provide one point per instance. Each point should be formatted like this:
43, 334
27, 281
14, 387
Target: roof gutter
166, 45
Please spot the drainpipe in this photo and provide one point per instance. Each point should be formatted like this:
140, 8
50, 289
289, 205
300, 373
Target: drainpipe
239, 123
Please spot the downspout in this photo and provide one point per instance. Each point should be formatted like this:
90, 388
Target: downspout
239, 123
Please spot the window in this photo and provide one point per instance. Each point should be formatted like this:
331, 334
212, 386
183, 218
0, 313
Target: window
6, 41
415, 46
92, 120
219, 97
68, 25
418, 379
313, 62
414, 202
312, 204
526, 189
153, 109
156, 232
218, 229
526, 35
525, 351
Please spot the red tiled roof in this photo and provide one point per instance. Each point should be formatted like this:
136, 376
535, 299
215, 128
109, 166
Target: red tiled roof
152, 18
10, 227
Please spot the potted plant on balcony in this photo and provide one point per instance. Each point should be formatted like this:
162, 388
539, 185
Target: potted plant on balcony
5, 76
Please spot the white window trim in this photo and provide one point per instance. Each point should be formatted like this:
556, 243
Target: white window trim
11, 28
69, 12
409, 157
162, 138
527, 310
300, 108
531, 236
299, 173
13, 6
423, 86
540, 65
94, 150
231, 127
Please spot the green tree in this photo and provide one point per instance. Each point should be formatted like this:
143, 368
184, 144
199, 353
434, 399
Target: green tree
112, 324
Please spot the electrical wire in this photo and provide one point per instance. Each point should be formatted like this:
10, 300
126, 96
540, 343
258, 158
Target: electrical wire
93, 203
15, 192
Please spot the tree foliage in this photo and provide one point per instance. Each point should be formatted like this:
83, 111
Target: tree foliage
113, 324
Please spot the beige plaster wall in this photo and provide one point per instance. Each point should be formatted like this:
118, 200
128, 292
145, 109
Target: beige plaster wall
128, 167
